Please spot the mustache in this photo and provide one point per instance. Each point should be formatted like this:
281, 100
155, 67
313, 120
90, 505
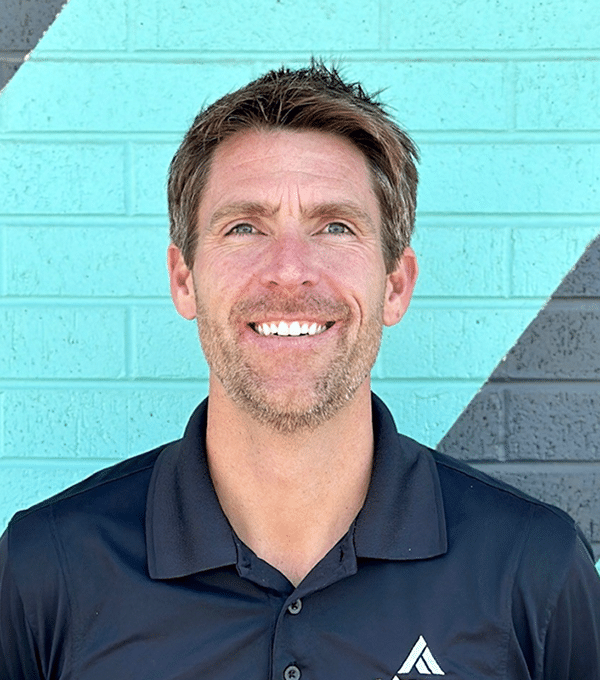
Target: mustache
280, 304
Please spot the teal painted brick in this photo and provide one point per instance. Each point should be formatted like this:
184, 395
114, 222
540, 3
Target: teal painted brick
24, 486
461, 261
157, 416
2, 261
87, 261
500, 25
539, 253
121, 96
87, 25
166, 346
94, 423
423, 411
471, 337
71, 423
151, 165
39, 178
440, 96
63, 342
237, 26
558, 95
508, 178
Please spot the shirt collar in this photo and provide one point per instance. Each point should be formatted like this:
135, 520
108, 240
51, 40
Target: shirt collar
403, 514
187, 532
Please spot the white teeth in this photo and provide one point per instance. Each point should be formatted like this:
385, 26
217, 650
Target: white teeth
294, 328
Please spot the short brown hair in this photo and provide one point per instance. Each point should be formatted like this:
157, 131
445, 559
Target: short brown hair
312, 98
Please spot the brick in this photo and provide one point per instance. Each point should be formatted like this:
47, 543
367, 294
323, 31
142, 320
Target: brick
561, 95
460, 261
574, 492
424, 411
561, 343
510, 178
479, 432
87, 261
62, 179
24, 486
554, 423
439, 96
583, 279
62, 342
7, 71
87, 25
129, 97
501, 25
165, 345
151, 164
25, 21
234, 25
541, 255
473, 339
91, 423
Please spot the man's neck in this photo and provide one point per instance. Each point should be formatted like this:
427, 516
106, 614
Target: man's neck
290, 498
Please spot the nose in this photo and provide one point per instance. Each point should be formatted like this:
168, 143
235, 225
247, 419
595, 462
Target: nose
289, 263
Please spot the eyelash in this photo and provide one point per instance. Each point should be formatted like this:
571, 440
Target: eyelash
238, 229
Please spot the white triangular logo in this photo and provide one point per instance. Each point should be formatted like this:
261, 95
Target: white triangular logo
420, 659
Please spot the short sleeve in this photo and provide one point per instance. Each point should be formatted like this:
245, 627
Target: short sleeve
18, 652
572, 645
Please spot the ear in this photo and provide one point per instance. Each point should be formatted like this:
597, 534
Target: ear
399, 287
182, 283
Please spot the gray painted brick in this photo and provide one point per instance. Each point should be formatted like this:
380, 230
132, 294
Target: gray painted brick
478, 433
563, 342
575, 492
25, 21
584, 279
553, 424
8, 70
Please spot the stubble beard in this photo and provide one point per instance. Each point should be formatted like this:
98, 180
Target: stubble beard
294, 412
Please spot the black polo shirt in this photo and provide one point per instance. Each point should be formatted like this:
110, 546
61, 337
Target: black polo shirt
136, 573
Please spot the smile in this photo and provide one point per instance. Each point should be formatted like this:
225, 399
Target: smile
294, 328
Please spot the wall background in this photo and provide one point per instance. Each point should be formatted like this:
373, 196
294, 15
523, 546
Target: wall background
503, 100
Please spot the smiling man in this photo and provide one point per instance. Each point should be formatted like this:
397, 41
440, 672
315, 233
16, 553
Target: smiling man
292, 532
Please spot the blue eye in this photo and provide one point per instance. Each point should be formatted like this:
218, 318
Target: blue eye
242, 228
337, 228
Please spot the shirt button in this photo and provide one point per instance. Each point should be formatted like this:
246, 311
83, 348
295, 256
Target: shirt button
292, 673
295, 607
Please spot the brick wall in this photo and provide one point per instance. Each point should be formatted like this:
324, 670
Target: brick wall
502, 99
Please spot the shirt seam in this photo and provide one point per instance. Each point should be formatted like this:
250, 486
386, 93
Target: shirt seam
30, 628
524, 540
72, 610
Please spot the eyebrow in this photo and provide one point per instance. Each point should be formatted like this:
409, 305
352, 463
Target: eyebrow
343, 210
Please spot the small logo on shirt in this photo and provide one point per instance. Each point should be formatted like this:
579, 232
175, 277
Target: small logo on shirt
421, 660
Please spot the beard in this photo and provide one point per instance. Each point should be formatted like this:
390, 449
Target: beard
305, 402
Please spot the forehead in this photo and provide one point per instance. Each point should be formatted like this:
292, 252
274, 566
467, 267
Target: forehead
309, 167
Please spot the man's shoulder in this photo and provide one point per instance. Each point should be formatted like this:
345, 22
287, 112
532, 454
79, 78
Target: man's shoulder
126, 480
503, 518
492, 494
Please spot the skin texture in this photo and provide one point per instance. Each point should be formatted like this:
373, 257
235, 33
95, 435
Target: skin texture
289, 230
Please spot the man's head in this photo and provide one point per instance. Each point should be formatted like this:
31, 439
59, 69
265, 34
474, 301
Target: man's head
313, 98
290, 243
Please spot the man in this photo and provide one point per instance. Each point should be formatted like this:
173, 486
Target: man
292, 533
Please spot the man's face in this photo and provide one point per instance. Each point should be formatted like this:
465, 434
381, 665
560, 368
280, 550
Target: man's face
289, 285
